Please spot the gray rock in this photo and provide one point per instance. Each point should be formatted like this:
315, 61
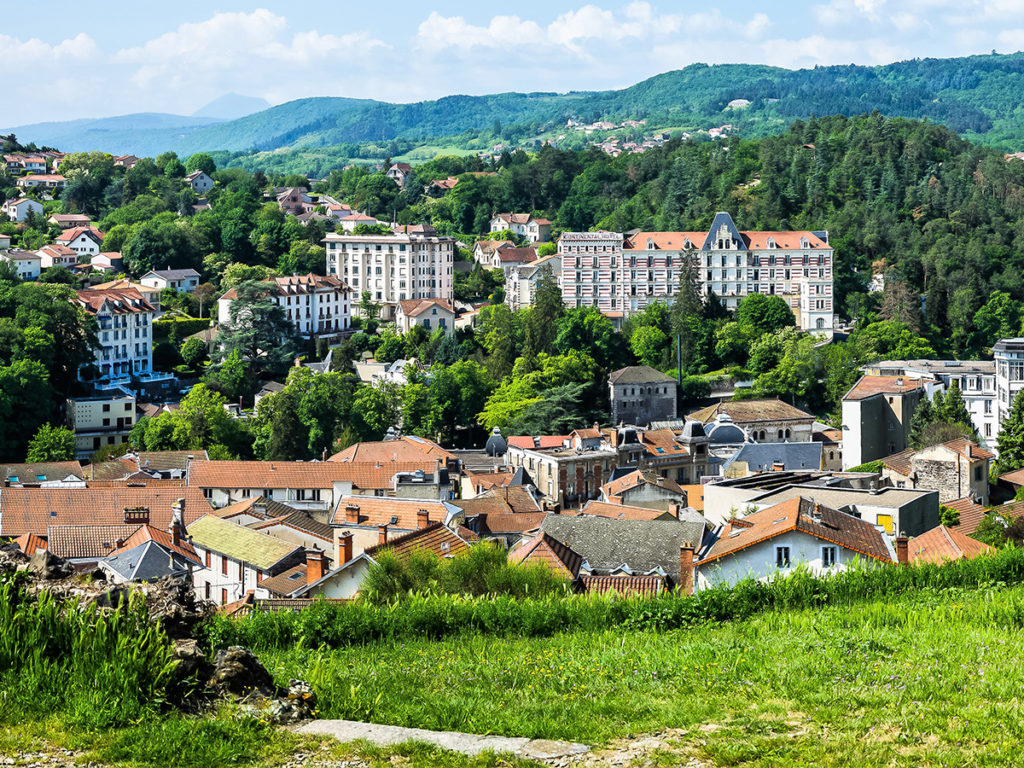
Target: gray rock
237, 671
46, 565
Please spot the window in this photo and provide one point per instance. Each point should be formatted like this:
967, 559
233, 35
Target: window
977, 474
206, 590
224, 597
782, 557
207, 559
223, 565
828, 557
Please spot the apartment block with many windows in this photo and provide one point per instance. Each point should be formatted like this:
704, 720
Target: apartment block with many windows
393, 268
125, 322
622, 274
315, 305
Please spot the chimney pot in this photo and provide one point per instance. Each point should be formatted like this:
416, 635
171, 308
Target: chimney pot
687, 561
382, 534
314, 565
422, 518
902, 548
346, 547
352, 513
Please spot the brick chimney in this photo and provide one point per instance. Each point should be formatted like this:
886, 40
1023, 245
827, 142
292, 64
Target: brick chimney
687, 559
382, 534
315, 564
352, 513
902, 549
422, 518
346, 547
674, 510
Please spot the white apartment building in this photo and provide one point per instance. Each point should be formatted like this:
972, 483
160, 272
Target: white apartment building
315, 305
1009, 358
125, 322
393, 268
521, 280
621, 275
25, 263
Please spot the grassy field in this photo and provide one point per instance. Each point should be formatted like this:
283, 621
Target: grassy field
932, 680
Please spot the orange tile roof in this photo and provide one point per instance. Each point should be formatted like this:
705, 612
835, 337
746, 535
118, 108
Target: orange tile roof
1014, 478
622, 511
373, 511
901, 462
287, 581
406, 449
638, 478
146, 533
286, 474
941, 544
516, 497
487, 480
415, 307
665, 241
971, 514
626, 586
551, 552
70, 235
869, 386
29, 543
118, 301
542, 441
87, 541
33, 510
435, 538
796, 514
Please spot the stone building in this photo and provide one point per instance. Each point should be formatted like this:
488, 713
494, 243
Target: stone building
571, 472
765, 421
957, 469
876, 417
640, 395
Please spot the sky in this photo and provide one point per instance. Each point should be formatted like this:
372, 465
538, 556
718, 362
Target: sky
69, 59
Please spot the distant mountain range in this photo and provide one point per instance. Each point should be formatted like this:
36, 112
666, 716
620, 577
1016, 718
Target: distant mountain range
978, 96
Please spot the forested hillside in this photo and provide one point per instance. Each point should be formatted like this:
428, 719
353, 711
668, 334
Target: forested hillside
977, 96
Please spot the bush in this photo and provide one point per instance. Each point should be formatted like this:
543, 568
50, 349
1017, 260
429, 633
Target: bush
180, 326
694, 388
870, 466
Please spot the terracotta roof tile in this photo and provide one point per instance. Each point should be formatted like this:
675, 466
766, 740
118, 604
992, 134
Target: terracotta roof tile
747, 411
868, 386
626, 586
29, 543
518, 498
623, 512
540, 442
146, 533
639, 478
87, 541
407, 449
551, 552
373, 511
416, 307
33, 510
287, 581
435, 538
941, 544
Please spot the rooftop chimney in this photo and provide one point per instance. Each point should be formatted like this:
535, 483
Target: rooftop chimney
422, 518
351, 513
315, 565
382, 534
177, 521
687, 559
902, 548
346, 548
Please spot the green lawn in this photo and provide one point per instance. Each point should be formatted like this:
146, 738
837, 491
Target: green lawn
929, 681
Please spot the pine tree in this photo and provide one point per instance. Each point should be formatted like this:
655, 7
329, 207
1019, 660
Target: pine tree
953, 410
923, 416
1010, 442
688, 303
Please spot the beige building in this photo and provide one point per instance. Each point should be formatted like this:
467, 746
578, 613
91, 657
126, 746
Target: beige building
429, 314
570, 472
100, 421
393, 268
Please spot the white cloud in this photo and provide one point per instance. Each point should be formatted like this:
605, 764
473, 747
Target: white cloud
35, 52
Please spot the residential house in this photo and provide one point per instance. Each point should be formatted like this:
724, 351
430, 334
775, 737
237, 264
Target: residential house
100, 421
314, 305
182, 280
125, 321
69, 220
942, 545
200, 182
408, 452
150, 294
17, 210
82, 240
5, 242
643, 488
392, 268
876, 417
831, 446
484, 251
25, 263
430, 314
775, 540
623, 274
522, 280
524, 224
347, 224
507, 259
640, 395
110, 261
236, 559
294, 200
57, 256
895, 510
151, 554
765, 421
399, 172
373, 521
956, 469
438, 187
126, 161
41, 181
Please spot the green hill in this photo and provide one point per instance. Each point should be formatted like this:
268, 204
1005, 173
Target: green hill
977, 96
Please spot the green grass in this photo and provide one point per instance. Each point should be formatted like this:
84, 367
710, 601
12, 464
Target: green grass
928, 680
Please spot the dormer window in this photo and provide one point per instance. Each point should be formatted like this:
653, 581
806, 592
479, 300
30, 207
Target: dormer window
650, 245
771, 243
804, 243
688, 244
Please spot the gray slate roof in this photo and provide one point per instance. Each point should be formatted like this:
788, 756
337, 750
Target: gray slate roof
637, 374
147, 562
174, 274
760, 457
642, 545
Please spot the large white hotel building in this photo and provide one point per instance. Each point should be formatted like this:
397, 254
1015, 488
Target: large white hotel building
622, 274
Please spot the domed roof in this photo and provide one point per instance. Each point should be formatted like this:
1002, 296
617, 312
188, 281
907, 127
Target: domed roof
692, 430
496, 445
724, 432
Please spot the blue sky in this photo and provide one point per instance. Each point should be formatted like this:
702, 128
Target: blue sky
66, 59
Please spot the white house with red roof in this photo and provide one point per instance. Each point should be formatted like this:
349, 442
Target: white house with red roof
429, 314
56, 255
42, 180
82, 240
621, 274
534, 230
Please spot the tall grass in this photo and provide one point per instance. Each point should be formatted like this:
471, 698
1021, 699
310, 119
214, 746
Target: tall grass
96, 669
433, 616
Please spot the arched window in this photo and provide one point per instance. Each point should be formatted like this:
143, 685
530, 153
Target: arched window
780, 435
787, 433
820, 323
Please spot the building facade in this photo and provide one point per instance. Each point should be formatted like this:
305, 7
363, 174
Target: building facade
876, 417
394, 267
315, 305
100, 421
522, 280
621, 275
125, 322
640, 395
1009, 358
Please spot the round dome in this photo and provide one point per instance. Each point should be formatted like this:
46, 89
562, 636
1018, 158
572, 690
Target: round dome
724, 432
496, 445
